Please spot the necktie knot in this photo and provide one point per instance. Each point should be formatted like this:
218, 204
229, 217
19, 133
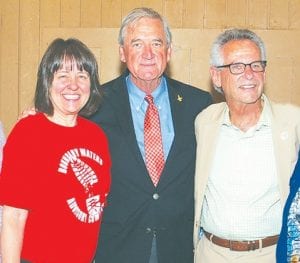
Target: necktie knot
149, 99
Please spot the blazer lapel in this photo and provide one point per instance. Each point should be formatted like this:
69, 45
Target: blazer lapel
176, 102
204, 157
123, 112
285, 147
282, 135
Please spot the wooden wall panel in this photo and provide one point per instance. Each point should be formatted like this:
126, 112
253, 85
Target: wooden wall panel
236, 13
193, 13
279, 86
258, 13
180, 63
70, 13
155, 4
50, 13
90, 13
111, 12
28, 56
279, 14
295, 90
215, 14
173, 12
282, 60
294, 14
9, 100
128, 5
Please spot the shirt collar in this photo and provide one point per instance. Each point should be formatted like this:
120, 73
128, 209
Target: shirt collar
138, 96
264, 119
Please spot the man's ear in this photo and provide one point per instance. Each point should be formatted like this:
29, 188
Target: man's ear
122, 54
169, 52
215, 76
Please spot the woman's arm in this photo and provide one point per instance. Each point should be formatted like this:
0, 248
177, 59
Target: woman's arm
13, 224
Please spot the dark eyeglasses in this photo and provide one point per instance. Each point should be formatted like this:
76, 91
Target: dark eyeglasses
239, 68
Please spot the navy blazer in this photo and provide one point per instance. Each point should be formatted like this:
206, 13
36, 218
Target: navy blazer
281, 251
137, 210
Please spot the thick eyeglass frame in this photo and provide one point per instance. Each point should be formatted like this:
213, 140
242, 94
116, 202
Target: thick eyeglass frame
263, 64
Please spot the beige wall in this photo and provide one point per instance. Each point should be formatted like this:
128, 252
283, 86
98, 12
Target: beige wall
27, 27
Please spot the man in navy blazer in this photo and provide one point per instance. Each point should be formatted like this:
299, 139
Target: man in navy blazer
144, 223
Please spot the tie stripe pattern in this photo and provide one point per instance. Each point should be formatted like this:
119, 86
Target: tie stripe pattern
153, 141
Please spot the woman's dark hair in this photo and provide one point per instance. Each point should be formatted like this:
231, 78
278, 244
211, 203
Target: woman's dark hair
58, 52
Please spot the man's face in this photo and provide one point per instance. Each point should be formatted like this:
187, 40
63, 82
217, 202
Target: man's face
145, 51
244, 88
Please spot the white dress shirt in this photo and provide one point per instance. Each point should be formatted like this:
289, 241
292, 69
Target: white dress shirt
242, 198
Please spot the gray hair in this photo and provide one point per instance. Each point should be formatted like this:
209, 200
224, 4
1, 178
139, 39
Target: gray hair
138, 13
216, 56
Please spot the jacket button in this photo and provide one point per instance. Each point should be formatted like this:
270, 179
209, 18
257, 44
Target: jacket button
155, 196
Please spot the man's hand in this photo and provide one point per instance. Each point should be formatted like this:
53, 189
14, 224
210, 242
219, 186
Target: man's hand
25, 113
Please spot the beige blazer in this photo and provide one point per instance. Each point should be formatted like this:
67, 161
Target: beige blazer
285, 121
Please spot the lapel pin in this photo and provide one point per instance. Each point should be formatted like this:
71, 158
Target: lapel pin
179, 98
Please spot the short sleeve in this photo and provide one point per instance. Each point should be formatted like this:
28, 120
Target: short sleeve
16, 183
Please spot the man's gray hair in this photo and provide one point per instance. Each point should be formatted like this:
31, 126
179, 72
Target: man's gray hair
216, 57
138, 13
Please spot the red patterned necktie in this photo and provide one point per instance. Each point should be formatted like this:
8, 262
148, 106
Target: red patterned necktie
153, 141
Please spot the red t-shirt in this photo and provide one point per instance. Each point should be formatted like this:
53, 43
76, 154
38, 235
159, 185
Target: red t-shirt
61, 175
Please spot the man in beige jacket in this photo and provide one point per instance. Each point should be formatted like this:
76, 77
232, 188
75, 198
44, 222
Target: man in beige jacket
246, 151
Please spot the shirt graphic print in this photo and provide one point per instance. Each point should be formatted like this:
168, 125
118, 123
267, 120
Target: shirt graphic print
87, 177
293, 224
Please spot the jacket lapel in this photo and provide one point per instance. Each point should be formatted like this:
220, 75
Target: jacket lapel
282, 138
123, 113
172, 165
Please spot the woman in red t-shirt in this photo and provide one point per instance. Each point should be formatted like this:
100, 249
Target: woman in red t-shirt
56, 166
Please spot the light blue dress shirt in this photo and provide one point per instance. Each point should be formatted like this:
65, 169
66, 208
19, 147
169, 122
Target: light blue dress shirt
139, 106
